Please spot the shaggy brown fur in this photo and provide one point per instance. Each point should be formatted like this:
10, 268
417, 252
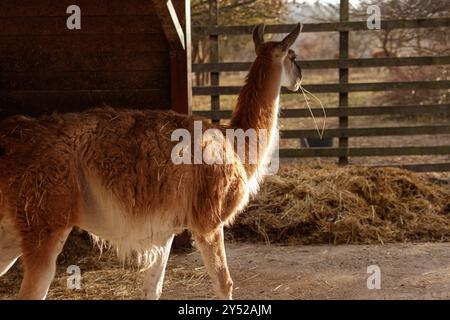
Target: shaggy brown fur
128, 150
110, 172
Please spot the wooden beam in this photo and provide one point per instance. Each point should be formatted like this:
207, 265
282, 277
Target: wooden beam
176, 23
365, 152
367, 132
343, 77
180, 74
180, 63
214, 51
325, 27
336, 87
331, 63
408, 110
427, 167
170, 23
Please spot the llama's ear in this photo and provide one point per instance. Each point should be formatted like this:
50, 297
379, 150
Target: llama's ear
289, 40
258, 36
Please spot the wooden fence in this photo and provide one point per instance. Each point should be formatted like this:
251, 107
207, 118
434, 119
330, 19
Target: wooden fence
343, 112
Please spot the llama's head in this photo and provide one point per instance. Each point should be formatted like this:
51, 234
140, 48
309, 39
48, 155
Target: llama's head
281, 55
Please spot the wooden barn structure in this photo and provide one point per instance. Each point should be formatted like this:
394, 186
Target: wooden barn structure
133, 53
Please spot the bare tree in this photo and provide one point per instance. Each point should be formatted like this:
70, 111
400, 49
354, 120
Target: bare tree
415, 41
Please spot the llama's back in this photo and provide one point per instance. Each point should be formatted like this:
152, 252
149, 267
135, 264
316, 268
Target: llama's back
93, 137
65, 165
112, 144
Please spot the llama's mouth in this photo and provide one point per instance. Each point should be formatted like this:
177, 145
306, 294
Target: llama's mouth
296, 86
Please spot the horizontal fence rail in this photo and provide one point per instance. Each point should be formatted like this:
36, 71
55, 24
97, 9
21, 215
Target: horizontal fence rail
426, 167
367, 132
334, 87
331, 63
324, 27
438, 109
365, 152
343, 88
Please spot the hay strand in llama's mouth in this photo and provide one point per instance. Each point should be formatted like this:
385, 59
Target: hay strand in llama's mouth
305, 96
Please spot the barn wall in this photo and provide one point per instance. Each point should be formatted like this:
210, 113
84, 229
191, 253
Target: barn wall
120, 57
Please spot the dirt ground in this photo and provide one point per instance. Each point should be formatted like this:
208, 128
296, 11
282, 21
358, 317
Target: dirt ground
408, 271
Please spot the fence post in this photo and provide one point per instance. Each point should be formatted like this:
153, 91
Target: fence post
343, 78
214, 47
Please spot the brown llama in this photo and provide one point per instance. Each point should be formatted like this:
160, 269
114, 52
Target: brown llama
109, 172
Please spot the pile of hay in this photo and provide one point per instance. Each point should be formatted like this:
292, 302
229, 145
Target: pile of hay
330, 204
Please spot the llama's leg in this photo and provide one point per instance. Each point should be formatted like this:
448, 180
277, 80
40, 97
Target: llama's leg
9, 245
154, 276
40, 265
214, 257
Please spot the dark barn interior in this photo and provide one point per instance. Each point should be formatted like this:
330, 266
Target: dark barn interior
126, 54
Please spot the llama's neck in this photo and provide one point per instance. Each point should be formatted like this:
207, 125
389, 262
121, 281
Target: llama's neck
258, 105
